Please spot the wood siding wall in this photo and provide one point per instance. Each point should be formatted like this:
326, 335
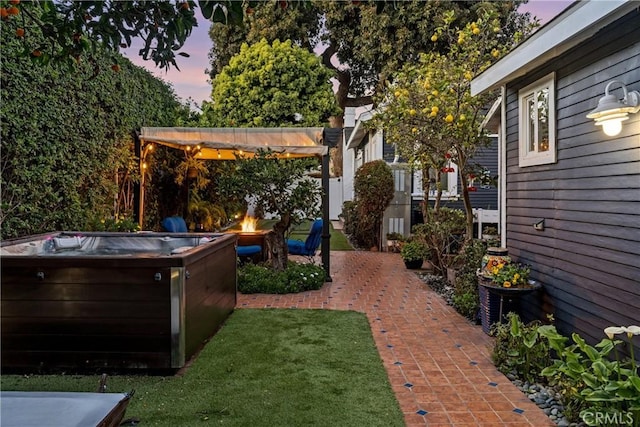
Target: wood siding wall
588, 256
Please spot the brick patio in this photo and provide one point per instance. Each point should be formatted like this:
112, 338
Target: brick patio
438, 363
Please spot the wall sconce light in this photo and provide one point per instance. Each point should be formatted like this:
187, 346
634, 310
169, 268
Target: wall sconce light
611, 111
539, 225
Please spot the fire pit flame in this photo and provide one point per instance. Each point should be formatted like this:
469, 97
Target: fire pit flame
249, 224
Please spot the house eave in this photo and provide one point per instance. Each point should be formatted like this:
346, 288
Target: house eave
578, 22
359, 131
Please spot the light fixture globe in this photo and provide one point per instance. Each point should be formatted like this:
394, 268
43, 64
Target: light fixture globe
611, 111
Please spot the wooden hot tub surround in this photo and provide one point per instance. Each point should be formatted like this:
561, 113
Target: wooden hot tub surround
139, 310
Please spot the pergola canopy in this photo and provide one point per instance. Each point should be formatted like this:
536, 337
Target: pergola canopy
225, 143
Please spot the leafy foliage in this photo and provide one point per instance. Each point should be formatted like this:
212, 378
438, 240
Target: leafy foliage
68, 31
65, 136
414, 250
590, 380
520, 348
272, 86
279, 186
297, 277
370, 39
442, 235
466, 299
121, 223
374, 190
429, 112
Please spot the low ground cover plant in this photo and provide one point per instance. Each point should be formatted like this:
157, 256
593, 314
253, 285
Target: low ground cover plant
297, 277
598, 386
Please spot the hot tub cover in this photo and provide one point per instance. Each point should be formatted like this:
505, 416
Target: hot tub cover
37, 409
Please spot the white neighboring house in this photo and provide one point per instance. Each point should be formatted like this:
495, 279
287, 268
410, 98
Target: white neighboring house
362, 145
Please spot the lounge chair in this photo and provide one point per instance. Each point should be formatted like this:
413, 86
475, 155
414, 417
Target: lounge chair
309, 247
174, 224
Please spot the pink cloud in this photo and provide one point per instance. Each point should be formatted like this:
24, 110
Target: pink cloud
190, 80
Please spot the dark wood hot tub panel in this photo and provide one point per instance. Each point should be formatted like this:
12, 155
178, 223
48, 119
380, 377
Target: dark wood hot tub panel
85, 317
95, 313
210, 295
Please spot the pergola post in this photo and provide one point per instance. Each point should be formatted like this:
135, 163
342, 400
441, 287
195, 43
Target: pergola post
326, 235
330, 138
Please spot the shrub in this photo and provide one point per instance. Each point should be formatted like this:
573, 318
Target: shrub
442, 231
122, 223
520, 349
590, 381
374, 190
414, 250
297, 277
305, 277
466, 299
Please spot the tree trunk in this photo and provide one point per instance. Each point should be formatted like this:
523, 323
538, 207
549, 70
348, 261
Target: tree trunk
278, 244
279, 253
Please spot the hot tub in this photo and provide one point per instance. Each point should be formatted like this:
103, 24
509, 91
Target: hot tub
90, 301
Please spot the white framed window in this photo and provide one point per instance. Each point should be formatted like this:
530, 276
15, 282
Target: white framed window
537, 128
448, 182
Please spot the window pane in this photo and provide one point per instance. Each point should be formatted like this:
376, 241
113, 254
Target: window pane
543, 120
531, 125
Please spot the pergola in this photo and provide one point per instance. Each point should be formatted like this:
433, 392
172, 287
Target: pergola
225, 143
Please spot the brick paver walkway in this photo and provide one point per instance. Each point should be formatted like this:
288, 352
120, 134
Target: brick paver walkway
438, 363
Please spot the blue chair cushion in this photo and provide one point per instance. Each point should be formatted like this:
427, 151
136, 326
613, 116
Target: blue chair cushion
174, 224
249, 250
295, 246
311, 244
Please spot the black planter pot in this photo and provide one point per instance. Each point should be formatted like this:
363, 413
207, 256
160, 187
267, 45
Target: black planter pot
413, 264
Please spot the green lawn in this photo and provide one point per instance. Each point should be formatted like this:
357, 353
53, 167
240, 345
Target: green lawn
263, 368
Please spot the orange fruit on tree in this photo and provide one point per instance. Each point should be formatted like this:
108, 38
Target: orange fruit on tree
12, 11
3, 13
115, 67
36, 53
20, 32
14, 2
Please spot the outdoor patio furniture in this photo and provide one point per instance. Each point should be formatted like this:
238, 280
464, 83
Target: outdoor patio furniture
310, 245
174, 224
250, 250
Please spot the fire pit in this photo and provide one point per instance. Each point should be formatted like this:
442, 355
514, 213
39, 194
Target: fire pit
248, 235
113, 300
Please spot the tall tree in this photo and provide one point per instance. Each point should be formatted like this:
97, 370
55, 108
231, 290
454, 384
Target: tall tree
429, 113
364, 42
271, 85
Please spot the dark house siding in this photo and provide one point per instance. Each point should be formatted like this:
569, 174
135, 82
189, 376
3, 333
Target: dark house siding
588, 256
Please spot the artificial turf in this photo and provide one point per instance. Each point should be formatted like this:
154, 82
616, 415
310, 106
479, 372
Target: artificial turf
268, 367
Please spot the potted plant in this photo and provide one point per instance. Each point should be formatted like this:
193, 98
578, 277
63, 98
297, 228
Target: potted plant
504, 279
414, 253
393, 241
490, 234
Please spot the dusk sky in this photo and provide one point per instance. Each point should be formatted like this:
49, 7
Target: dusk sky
192, 82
